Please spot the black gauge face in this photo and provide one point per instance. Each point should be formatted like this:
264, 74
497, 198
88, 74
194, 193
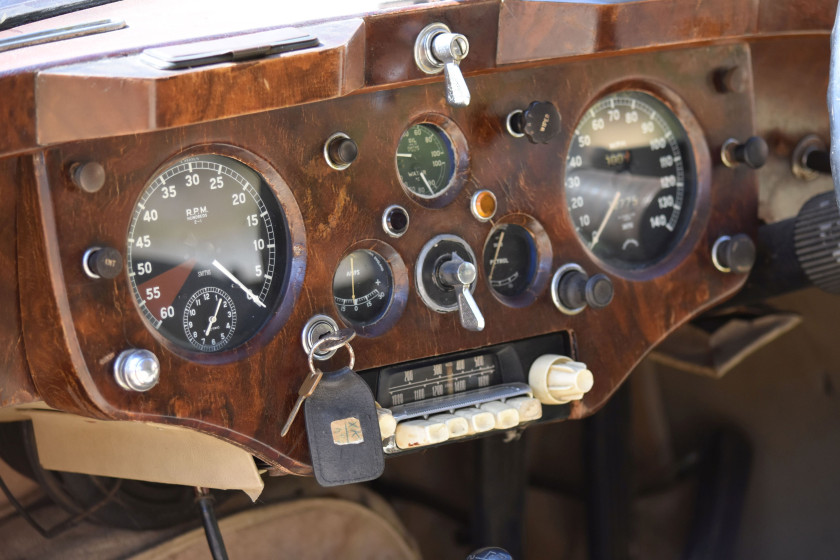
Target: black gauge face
363, 286
208, 253
510, 259
630, 179
425, 160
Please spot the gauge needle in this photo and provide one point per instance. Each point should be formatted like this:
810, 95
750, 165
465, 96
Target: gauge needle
212, 320
236, 281
423, 176
403, 155
597, 237
496, 256
353, 279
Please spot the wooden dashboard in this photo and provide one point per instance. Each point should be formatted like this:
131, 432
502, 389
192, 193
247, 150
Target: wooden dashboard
64, 329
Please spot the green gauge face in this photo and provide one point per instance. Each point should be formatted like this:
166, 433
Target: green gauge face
363, 287
425, 160
208, 253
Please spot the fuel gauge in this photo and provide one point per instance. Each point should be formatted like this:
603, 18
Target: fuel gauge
363, 287
510, 259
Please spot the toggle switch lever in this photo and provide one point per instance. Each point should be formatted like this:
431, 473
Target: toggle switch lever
436, 49
460, 274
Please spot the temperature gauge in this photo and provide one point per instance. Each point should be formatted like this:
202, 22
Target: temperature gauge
363, 287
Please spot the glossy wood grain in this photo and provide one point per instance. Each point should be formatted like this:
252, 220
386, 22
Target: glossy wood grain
536, 30
246, 402
16, 385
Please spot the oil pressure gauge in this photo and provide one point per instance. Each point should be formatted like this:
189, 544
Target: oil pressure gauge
432, 160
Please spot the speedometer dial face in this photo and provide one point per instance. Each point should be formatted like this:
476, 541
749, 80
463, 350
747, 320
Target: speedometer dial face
208, 253
630, 179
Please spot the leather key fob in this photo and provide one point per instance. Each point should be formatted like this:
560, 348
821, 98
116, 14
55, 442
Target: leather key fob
343, 430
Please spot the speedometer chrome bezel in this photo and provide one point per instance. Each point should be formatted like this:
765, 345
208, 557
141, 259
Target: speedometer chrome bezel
698, 213
296, 264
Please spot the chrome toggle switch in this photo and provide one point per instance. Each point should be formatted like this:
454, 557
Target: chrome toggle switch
436, 49
460, 274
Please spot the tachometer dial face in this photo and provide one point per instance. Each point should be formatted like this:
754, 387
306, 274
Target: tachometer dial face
425, 160
510, 259
363, 287
208, 253
630, 179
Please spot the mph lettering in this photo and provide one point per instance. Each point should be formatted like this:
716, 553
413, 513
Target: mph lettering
197, 214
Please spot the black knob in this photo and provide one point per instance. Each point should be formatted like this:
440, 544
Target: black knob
752, 153
540, 122
575, 290
103, 262
341, 151
732, 80
599, 291
734, 254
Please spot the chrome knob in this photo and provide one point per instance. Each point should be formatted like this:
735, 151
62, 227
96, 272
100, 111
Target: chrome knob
137, 370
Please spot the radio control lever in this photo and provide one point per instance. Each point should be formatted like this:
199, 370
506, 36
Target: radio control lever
460, 274
436, 49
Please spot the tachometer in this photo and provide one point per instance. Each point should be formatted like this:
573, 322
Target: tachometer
630, 179
208, 253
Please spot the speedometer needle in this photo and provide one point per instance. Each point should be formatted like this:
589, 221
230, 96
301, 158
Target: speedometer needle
212, 320
236, 281
597, 237
423, 176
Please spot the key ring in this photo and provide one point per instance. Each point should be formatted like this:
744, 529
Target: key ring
335, 345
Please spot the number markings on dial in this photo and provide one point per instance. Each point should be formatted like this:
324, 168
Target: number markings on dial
626, 178
190, 214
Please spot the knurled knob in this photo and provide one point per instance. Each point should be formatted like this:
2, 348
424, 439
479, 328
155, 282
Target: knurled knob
558, 379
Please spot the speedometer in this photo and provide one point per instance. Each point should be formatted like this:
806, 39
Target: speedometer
630, 179
209, 253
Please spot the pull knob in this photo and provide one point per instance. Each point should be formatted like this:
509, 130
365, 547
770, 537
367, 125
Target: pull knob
573, 290
460, 274
438, 49
734, 254
102, 262
752, 153
137, 370
810, 158
340, 151
540, 122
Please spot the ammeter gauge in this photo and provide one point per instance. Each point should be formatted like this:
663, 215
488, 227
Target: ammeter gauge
363, 287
